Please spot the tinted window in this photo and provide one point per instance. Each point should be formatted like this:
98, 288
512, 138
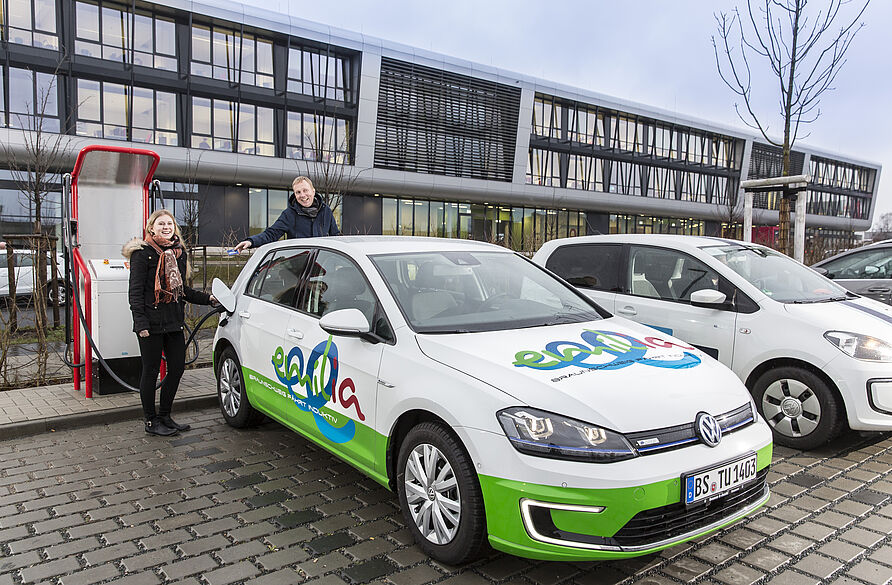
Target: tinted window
278, 276
594, 266
876, 263
336, 283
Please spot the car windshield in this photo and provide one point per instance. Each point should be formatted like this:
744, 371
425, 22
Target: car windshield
778, 276
463, 292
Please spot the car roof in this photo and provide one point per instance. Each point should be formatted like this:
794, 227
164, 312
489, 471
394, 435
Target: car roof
372, 245
668, 240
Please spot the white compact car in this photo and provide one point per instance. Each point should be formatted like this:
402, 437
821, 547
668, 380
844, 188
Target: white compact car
813, 354
23, 273
498, 402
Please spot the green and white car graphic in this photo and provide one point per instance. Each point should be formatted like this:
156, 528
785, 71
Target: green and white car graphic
501, 405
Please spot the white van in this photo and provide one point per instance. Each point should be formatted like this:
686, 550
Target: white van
813, 354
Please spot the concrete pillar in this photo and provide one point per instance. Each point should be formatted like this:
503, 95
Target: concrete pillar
748, 216
799, 227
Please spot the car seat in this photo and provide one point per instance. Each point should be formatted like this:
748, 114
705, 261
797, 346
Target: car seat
430, 299
657, 270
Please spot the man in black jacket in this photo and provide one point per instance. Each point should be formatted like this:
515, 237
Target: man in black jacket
306, 216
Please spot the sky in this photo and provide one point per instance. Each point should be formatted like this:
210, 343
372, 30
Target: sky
655, 52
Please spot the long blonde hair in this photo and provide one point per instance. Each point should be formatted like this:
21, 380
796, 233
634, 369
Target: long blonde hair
158, 213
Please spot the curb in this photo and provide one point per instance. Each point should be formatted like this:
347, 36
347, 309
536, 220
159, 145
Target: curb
58, 423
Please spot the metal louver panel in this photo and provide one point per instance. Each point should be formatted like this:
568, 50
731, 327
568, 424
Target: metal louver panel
437, 122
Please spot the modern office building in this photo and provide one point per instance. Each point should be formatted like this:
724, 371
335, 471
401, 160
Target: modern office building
238, 100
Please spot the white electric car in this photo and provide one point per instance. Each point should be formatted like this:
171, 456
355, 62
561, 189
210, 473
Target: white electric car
814, 355
498, 402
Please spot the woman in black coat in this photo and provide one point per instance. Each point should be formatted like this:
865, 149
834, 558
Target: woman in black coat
158, 296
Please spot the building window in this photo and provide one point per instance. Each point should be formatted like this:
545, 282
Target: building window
33, 100
119, 112
229, 55
317, 137
544, 168
29, 22
319, 74
265, 206
110, 31
232, 127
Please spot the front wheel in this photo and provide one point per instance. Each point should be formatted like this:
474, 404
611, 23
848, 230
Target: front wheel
800, 407
440, 496
58, 293
234, 404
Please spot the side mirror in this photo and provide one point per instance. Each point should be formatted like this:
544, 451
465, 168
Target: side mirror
347, 322
223, 295
822, 271
708, 298
870, 269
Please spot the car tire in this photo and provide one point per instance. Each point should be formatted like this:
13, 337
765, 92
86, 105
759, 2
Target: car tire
58, 290
800, 407
234, 404
430, 450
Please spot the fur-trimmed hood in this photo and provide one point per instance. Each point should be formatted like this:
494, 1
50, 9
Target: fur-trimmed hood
132, 246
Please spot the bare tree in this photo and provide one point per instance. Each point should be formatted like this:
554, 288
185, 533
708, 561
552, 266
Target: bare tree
35, 170
883, 229
804, 52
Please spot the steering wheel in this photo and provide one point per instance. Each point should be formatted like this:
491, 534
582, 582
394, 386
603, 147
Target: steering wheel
487, 305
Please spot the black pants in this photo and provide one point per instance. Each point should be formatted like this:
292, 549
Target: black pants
174, 347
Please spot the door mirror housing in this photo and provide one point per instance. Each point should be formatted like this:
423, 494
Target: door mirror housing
346, 322
223, 295
708, 298
822, 271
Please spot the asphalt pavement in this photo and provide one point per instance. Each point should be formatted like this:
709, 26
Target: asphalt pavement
106, 503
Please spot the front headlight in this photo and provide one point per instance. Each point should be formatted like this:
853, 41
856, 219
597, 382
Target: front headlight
861, 347
536, 432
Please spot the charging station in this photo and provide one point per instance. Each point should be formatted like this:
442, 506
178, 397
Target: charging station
106, 199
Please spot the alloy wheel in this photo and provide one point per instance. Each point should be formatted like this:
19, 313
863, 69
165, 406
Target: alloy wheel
230, 387
432, 494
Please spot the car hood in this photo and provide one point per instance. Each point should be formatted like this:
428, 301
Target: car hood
857, 315
614, 373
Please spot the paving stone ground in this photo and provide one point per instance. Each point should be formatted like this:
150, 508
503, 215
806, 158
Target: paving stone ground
218, 506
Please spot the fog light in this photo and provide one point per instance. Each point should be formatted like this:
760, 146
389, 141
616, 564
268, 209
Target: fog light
880, 394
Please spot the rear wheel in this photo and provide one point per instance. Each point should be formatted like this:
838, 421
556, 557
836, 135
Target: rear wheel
234, 404
800, 407
440, 496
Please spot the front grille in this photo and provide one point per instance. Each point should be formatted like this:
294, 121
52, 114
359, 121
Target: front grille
666, 522
668, 438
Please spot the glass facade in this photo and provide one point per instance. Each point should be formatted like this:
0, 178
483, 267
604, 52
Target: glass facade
111, 31
29, 22
33, 100
232, 56
840, 189
318, 137
320, 74
120, 112
232, 127
580, 146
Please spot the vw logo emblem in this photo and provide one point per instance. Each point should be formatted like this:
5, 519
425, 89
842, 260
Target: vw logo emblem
708, 429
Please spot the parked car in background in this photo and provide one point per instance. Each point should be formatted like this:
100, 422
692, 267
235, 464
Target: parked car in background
497, 401
866, 270
813, 354
23, 273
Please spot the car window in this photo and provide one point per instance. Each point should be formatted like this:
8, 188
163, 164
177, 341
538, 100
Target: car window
670, 275
23, 260
335, 283
594, 266
463, 292
278, 277
876, 263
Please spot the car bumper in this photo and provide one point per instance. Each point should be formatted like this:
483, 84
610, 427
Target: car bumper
599, 511
866, 388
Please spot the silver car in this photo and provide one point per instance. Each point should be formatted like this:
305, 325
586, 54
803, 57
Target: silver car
866, 271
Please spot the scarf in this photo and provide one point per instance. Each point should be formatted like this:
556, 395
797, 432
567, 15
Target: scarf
168, 280
313, 210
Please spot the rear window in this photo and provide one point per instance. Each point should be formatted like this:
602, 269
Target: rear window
592, 266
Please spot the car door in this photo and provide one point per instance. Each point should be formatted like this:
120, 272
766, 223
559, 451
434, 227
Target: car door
657, 293
338, 374
592, 268
264, 315
867, 272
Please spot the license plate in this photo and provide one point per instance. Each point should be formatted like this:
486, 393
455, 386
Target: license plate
718, 481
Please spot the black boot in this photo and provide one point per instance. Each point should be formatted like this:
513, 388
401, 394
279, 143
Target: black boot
170, 423
156, 426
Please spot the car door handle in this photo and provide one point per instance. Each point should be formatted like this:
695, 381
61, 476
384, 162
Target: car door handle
879, 289
627, 311
294, 333
244, 314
